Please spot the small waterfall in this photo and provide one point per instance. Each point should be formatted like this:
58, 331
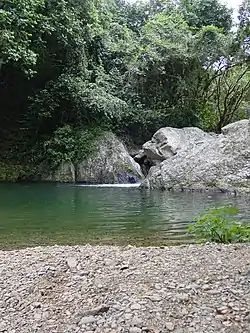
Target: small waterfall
109, 185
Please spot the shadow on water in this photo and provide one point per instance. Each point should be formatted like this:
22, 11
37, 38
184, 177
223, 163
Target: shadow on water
39, 214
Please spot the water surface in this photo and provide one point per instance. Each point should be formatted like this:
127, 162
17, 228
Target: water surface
40, 214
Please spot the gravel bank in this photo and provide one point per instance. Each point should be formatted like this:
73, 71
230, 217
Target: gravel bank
105, 289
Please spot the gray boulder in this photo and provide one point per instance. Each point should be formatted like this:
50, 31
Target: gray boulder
110, 163
193, 159
168, 141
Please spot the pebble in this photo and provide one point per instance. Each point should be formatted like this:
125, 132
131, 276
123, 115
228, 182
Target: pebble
135, 330
155, 298
128, 316
182, 298
3, 327
136, 321
90, 289
169, 326
223, 310
72, 262
135, 306
87, 320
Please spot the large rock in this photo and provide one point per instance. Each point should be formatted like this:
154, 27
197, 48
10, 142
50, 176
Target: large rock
196, 160
65, 173
168, 141
110, 163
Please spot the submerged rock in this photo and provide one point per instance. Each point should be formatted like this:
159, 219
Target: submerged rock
194, 159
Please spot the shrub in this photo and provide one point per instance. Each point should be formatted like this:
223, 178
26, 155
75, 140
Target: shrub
70, 144
217, 225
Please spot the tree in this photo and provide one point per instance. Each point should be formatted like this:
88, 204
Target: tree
22, 25
164, 60
243, 33
229, 89
68, 66
201, 13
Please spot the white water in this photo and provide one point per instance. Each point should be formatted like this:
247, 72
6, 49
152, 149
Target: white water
110, 185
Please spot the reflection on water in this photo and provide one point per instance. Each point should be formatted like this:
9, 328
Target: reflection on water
47, 214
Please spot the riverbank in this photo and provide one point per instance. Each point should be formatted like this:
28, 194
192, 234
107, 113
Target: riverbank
107, 289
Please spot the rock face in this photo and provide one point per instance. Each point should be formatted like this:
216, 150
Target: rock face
168, 141
65, 173
110, 163
190, 158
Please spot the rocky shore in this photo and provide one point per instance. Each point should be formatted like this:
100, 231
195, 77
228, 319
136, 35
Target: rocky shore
105, 289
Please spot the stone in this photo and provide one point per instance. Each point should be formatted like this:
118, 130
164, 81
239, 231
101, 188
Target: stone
182, 298
213, 292
206, 287
110, 163
136, 322
70, 302
38, 316
167, 141
87, 320
223, 310
113, 325
155, 298
72, 262
3, 326
135, 330
96, 311
169, 326
128, 316
65, 173
135, 306
37, 305
190, 159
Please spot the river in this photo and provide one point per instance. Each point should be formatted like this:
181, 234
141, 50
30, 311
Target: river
47, 214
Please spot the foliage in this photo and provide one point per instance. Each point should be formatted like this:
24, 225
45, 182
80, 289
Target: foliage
14, 172
70, 66
20, 20
68, 144
61, 147
243, 32
73, 100
229, 88
217, 225
201, 13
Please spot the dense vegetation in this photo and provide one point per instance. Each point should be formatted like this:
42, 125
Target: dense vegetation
70, 68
